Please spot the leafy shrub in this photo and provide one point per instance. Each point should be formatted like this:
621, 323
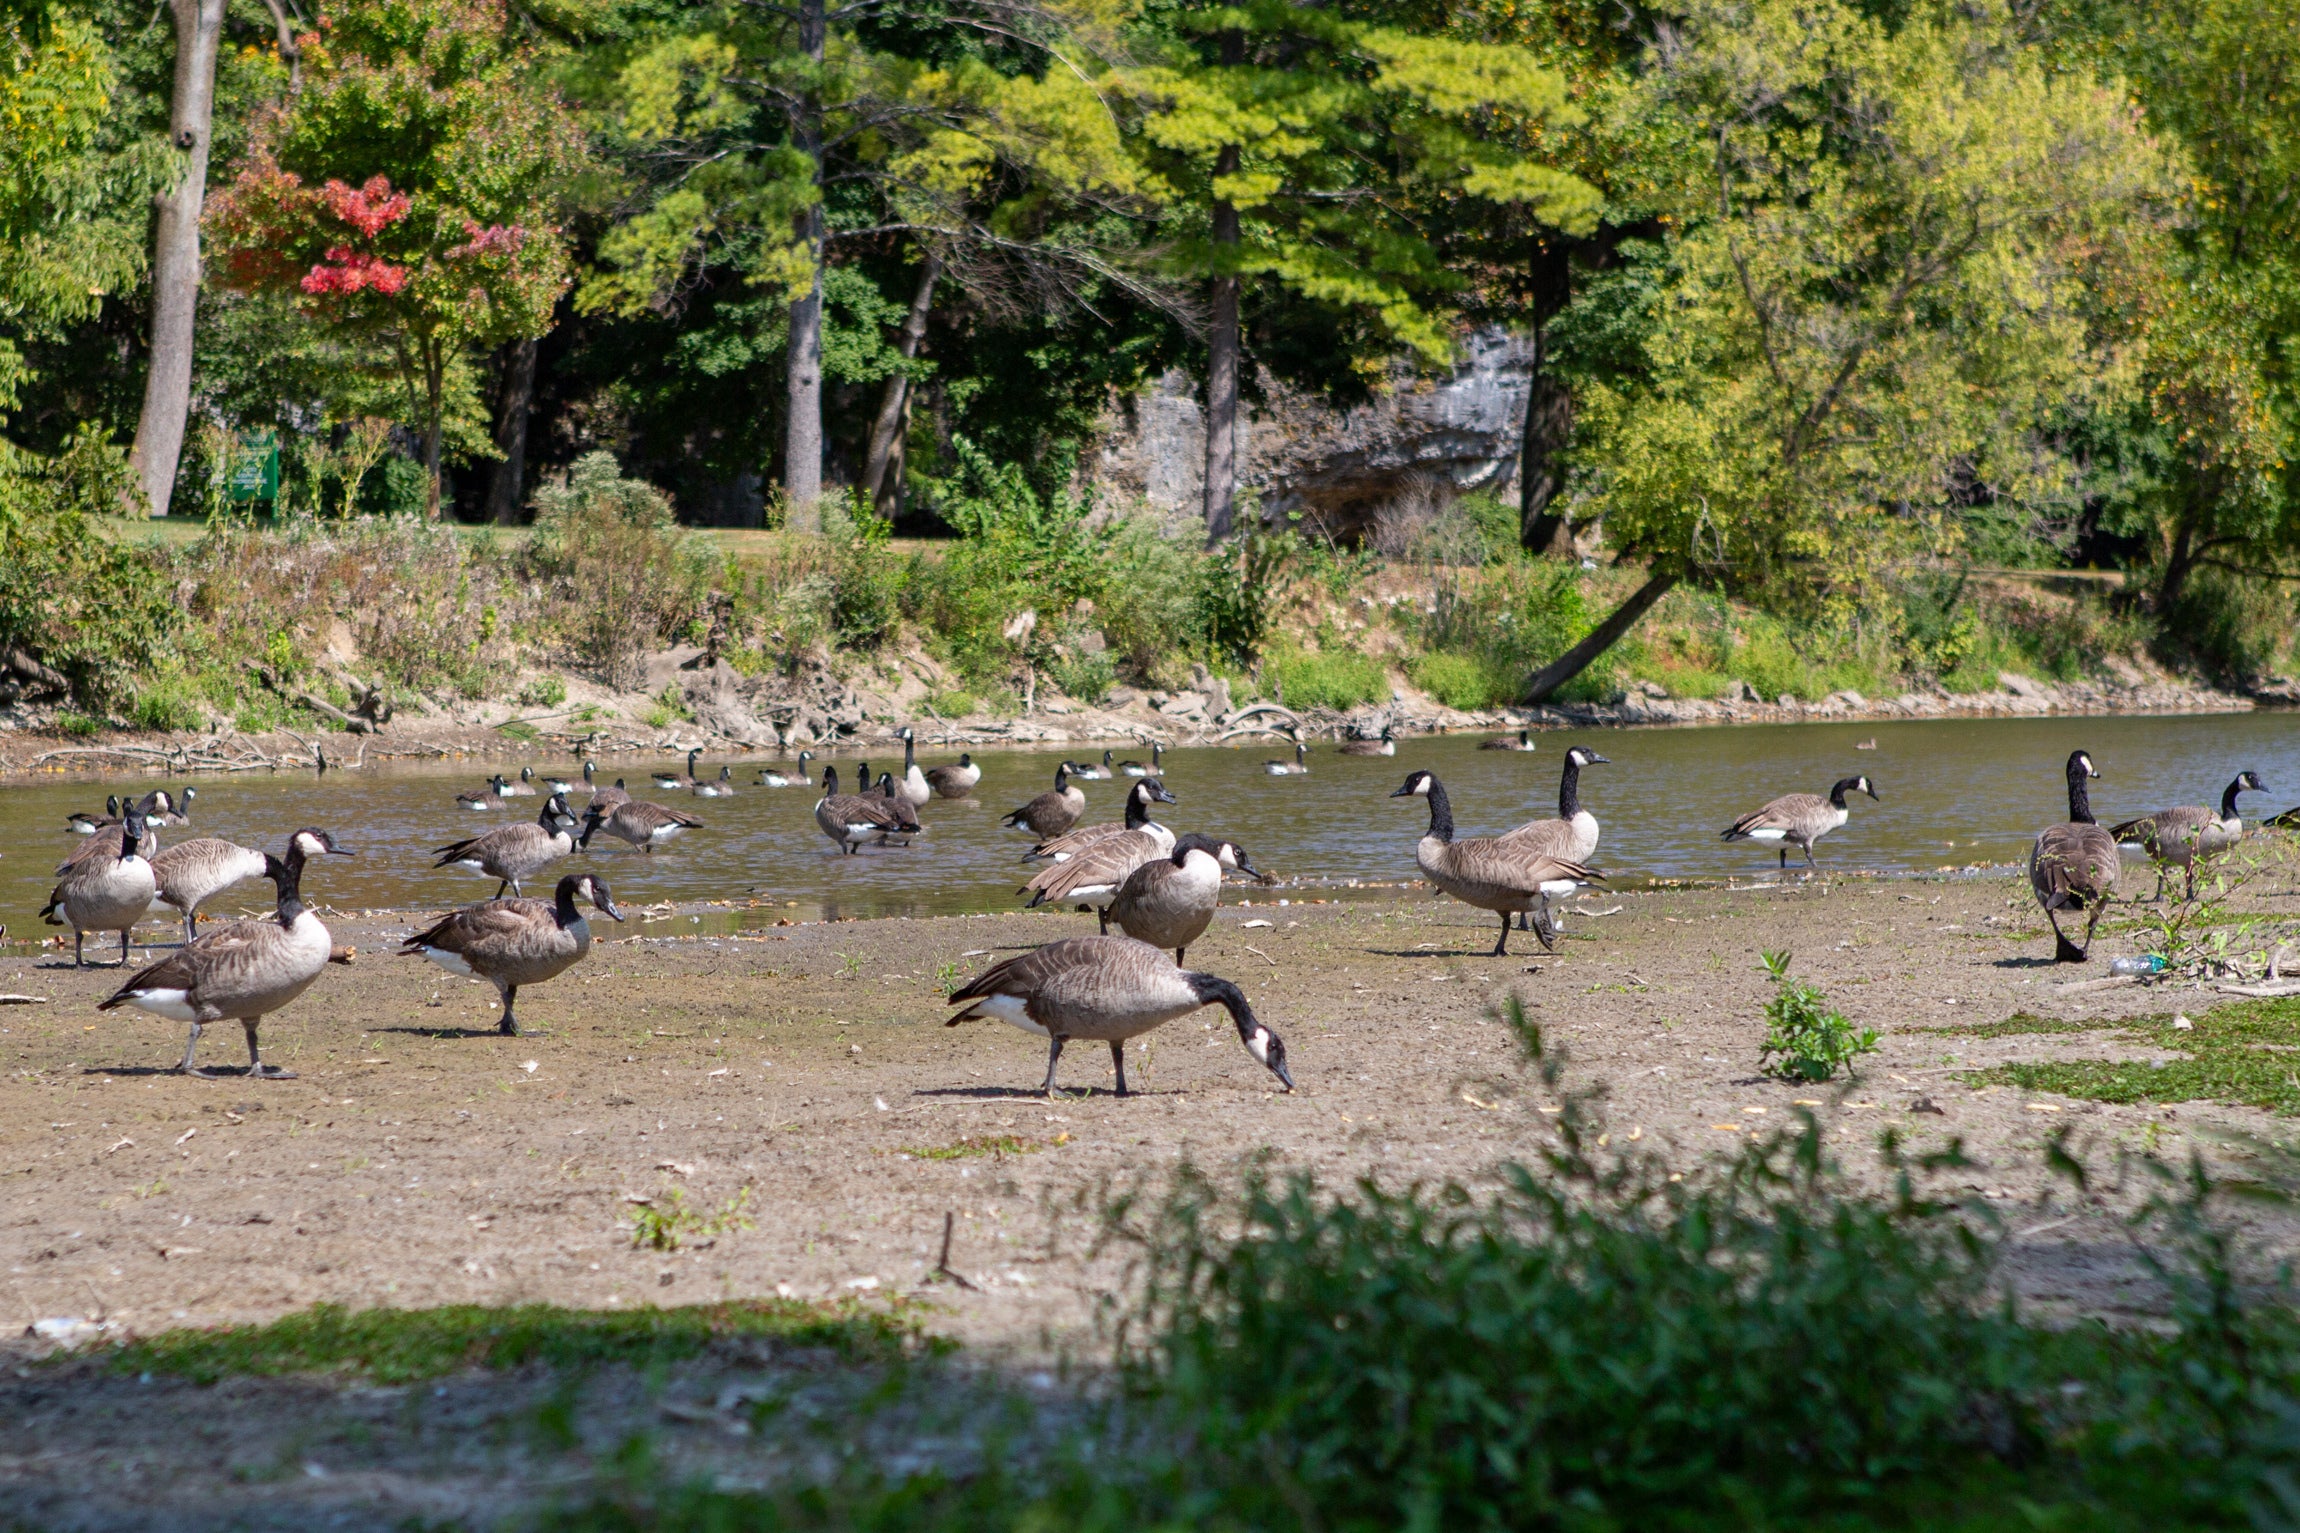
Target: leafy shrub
1326, 679
866, 578
1087, 678
168, 705
1513, 619
952, 704
1804, 1039
543, 692
1149, 605
1458, 681
627, 577
1238, 588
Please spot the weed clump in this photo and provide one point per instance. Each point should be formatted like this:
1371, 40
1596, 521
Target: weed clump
1805, 1039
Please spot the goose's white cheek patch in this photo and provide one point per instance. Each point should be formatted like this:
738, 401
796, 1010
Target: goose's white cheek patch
175, 1005
1259, 1045
1768, 835
452, 962
1010, 1008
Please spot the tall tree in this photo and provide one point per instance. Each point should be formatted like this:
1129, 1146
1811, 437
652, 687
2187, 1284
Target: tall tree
176, 252
1291, 140
1877, 316
410, 192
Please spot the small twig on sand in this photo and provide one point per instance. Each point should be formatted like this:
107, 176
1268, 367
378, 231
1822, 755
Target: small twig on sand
942, 1266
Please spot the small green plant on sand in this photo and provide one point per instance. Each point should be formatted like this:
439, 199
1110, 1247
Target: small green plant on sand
666, 1223
1804, 1039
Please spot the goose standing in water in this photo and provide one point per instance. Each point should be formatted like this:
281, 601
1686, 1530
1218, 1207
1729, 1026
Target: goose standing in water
523, 788
1572, 835
1169, 901
2074, 865
191, 872
1385, 744
1799, 819
1109, 989
645, 825
1489, 872
906, 818
1052, 812
489, 797
248, 969
850, 819
1093, 869
913, 788
775, 777
157, 808
1139, 798
1523, 742
2180, 838
515, 942
604, 799
107, 886
1137, 769
513, 853
1298, 767
958, 781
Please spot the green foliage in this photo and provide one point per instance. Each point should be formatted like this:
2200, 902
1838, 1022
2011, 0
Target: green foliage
97, 612
1325, 678
1498, 626
2236, 1053
1458, 681
394, 1346
666, 1223
997, 1146
624, 568
1238, 589
1805, 1040
543, 692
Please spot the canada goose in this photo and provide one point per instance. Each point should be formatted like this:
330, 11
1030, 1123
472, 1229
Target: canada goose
1572, 835
512, 853
81, 823
1093, 869
590, 768
1523, 742
1869, 744
2074, 865
189, 872
1109, 988
722, 786
1137, 769
1385, 745
157, 808
604, 799
2182, 837
558, 785
1169, 901
954, 781
1052, 812
107, 887
489, 797
645, 825
913, 789
1089, 772
2288, 820
1799, 819
850, 819
523, 788
1489, 872
906, 818
1139, 798
247, 969
515, 942
775, 777
1298, 767
673, 779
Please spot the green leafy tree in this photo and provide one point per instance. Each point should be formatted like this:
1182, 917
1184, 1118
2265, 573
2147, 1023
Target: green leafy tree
1876, 318
410, 190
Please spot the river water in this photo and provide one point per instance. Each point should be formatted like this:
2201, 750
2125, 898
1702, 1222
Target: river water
1954, 793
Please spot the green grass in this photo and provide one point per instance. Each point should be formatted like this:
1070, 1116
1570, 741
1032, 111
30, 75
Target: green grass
2247, 1053
394, 1346
1326, 679
975, 1144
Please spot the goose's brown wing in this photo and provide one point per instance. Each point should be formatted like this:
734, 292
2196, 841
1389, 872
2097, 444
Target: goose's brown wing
2166, 824
1502, 865
1106, 861
1552, 837
226, 946
2074, 865
1787, 812
474, 926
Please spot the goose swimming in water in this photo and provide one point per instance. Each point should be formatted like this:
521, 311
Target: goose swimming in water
775, 777
957, 781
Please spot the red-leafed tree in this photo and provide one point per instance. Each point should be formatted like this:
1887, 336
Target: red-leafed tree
409, 190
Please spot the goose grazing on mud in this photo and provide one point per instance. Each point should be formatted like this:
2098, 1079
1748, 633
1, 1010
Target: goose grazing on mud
1091, 863
645, 825
1139, 798
248, 969
1799, 819
107, 886
1108, 989
1384, 744
958, 781
850, 819
1572, 835
913, 788
775, 777
2180, 838
513, 853
1298, 767
1052, 812
1137, 769
1169, 901
1489, 872
2074, 865
191, 872
515, 942
489, 797
1523, 742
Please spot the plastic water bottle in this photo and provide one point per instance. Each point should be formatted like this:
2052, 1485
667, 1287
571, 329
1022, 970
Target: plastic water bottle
2145, 963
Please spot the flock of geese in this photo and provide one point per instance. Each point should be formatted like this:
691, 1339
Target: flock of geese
1154, 892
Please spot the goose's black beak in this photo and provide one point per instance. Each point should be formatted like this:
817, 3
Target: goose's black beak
1872, 793
1158, 791
1405, 792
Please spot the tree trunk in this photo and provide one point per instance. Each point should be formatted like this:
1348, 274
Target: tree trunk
434, 408
883, 469
291, 52
1541, 467
1222, 368
2179, 564
803, 364
176, 254
507, 490
1601, 638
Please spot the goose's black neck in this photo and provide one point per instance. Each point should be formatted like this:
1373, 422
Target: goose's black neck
2079, 799
1837, 794
1441, 811
1137, 809
563, 909
830, 780
909, 754
1212, 990
286, 874
2228, 799
1569, 790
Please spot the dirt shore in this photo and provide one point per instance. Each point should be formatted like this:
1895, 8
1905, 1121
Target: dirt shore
419, 1158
